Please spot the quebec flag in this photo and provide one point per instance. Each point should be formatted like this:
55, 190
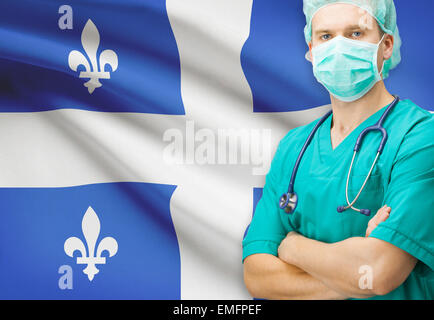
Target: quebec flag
115, 180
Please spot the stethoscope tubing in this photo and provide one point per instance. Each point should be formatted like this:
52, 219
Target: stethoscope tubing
306, 144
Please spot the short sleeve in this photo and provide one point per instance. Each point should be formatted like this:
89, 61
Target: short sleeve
266, 229
410, 195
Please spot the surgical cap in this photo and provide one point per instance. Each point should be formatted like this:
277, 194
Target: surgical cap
382, 10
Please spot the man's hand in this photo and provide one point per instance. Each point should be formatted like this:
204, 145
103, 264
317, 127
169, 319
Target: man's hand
381, 216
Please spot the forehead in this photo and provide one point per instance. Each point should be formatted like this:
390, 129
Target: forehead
340, 16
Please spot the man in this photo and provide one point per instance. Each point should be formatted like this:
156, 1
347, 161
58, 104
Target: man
316, 252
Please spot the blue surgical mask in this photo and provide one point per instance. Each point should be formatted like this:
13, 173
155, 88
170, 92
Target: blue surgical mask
347, 68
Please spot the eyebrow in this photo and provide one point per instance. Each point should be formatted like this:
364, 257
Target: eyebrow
352, 27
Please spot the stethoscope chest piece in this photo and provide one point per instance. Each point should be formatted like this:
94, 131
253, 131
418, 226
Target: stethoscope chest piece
288, 202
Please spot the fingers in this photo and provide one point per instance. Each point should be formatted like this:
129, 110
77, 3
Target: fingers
381, 216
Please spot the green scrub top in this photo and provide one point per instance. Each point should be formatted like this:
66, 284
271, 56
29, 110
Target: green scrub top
403, 178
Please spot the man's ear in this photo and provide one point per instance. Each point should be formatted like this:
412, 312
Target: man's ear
388, 46
310, 51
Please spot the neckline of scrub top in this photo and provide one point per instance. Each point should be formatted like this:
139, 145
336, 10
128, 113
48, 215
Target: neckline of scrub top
352, 136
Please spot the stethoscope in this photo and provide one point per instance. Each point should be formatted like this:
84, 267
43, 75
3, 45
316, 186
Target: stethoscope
288, 201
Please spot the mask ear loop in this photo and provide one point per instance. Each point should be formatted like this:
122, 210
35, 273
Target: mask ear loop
382, 68
384, 61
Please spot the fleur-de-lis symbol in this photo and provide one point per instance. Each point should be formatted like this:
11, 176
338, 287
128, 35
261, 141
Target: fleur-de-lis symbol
90, 41
90, 226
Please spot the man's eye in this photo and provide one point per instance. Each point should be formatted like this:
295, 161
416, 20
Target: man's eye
357, 34
325, 37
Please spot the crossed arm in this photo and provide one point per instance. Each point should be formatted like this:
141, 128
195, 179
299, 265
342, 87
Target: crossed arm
310, 269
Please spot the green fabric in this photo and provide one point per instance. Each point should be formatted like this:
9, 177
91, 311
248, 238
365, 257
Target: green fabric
383, 11
403, 178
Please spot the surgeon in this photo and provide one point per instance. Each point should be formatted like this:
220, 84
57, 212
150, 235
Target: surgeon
320, 247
